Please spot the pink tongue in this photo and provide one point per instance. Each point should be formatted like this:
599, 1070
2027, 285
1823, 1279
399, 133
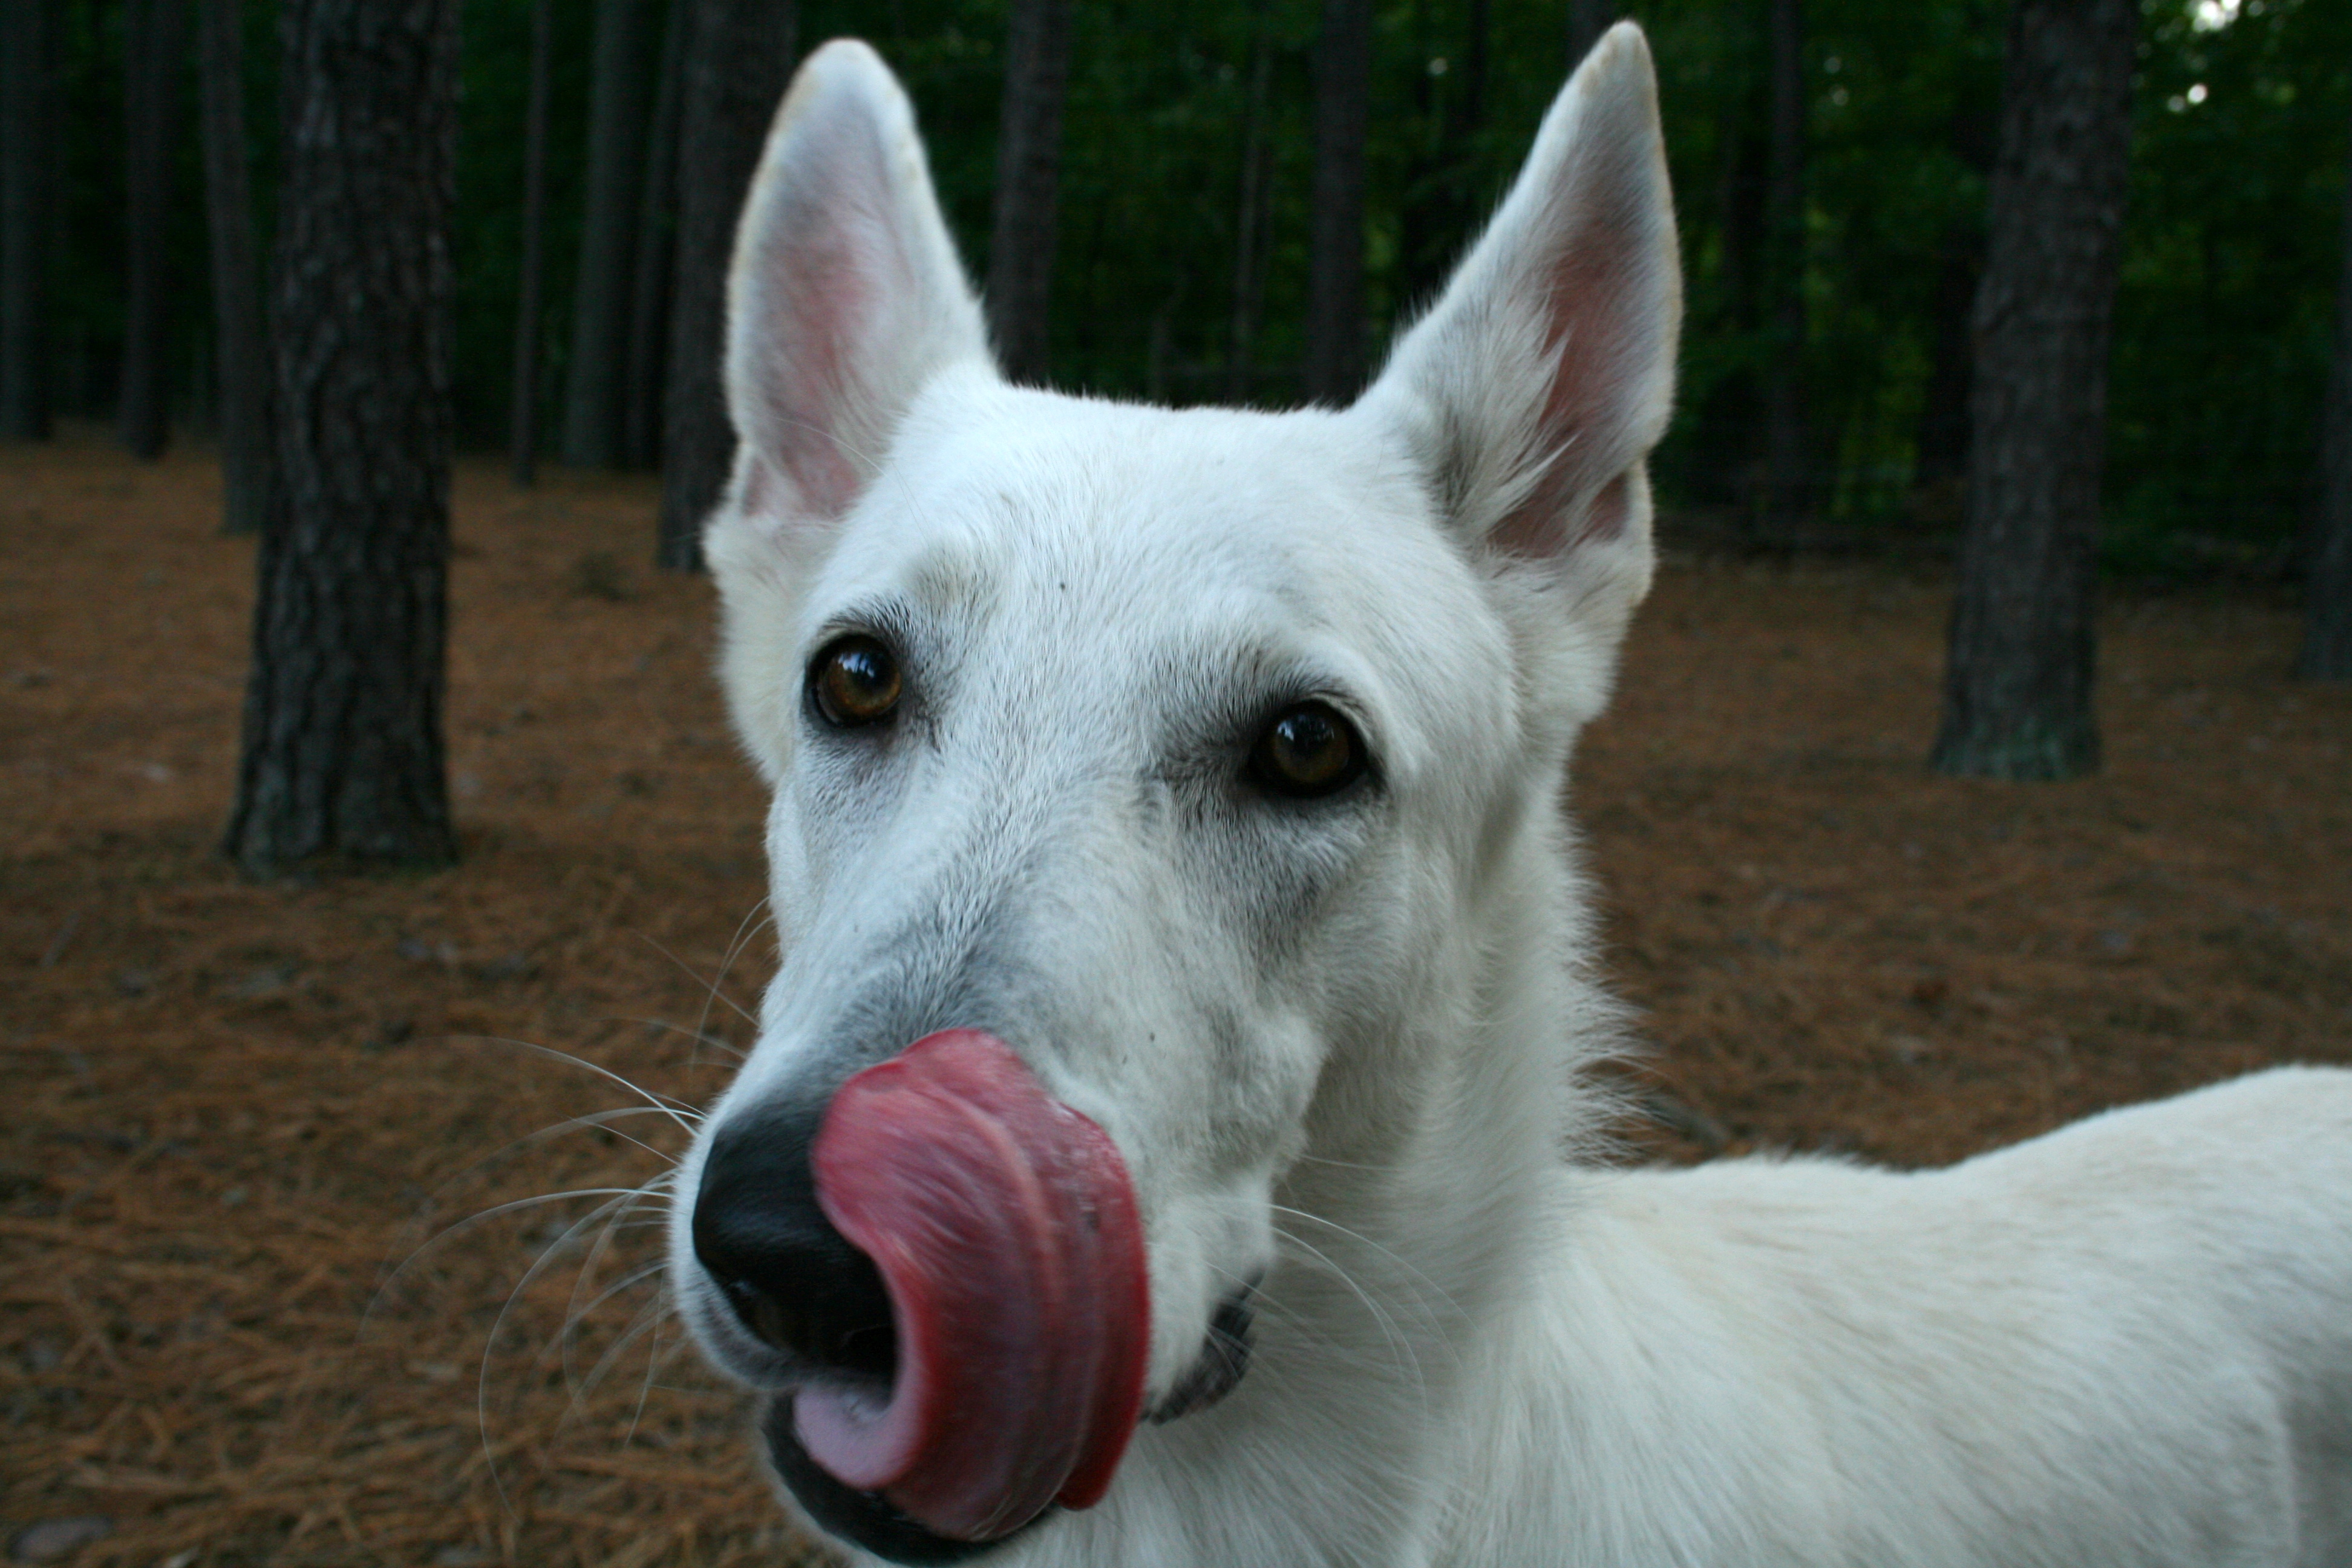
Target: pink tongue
1006, 1231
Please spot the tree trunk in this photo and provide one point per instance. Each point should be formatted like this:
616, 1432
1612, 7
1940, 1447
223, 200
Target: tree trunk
592, 396
28, 159
522, 419
1785, 503
1250, 213
1587, 20
2328, 626
154, 47
247, 461
343, 753
1028, 166
656, 244
2018, 687
1335, 257
736, 63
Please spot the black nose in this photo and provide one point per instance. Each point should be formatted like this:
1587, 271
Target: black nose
794, 1279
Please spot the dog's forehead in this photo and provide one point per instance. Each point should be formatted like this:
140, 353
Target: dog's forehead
1136, 524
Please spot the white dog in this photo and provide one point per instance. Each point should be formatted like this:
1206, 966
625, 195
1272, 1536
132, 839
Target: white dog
1165, 1141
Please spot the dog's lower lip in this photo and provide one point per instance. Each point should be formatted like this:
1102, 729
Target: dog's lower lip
869, 1519
1221, 1364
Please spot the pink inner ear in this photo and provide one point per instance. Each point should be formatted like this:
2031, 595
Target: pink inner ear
820, 311
1587, 291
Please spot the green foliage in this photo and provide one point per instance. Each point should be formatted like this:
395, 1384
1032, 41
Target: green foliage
2225, 316
2222, 325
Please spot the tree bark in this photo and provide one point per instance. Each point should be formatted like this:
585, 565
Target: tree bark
1785, 503
342, 750
155, 50
1028, 170
738, 58
2327, 583
2018, 686
523, 418
1250, 213
27, 161
1587, 20
242, 353
1335, 257
593, 399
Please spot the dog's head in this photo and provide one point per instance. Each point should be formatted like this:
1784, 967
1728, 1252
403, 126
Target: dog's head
1139, 777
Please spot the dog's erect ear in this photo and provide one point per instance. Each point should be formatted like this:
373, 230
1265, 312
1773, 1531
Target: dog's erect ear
1544, 373
845, 296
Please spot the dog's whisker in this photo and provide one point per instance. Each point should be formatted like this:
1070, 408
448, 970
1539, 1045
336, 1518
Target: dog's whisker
582, 1384
1387, 1170
1404, 1355
590, 1121
457, 1229
1363, 1240
574, 1313
685, 1115
539, 1265
577, 1411
701, 1039
653, 1359
754, 921
595, 1120
688, 971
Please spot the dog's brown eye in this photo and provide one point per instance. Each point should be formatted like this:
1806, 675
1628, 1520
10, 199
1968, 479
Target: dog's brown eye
854, 681
1308, 751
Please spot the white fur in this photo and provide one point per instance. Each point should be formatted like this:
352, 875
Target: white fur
1341, 1043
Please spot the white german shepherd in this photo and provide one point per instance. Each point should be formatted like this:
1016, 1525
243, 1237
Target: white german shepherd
1165, 1143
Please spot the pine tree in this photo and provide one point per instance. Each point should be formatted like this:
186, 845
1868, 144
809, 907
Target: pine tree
342, 748
594, 391
738, 58
1335, 256
2017, 683
1028, 169
522, 400
1250, 213
154, 51
242, 350
656, 252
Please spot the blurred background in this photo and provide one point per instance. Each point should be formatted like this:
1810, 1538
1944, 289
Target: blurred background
1179, 255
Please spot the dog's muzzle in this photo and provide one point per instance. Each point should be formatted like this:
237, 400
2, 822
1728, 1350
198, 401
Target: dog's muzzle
955, 1265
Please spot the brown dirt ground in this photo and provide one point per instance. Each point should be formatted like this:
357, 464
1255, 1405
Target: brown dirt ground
230, 1108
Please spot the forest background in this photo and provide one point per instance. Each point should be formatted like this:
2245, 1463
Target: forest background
1181, 254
